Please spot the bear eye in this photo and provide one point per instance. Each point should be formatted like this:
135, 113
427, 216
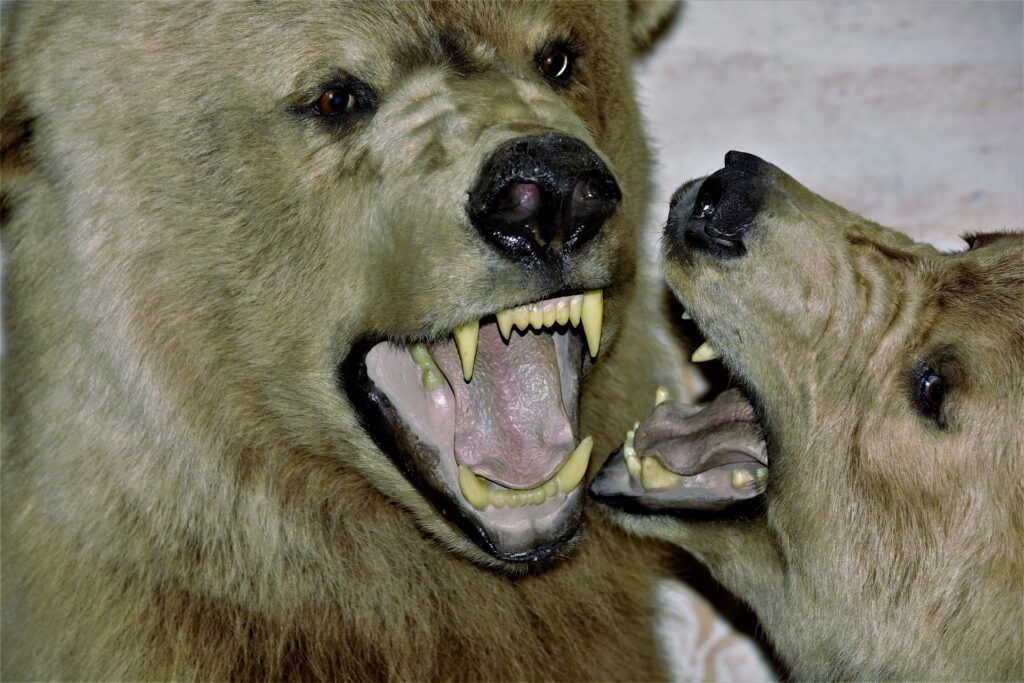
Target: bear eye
341, 102
336, 101
930, 393
556, 64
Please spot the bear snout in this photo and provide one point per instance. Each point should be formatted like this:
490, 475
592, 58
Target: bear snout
541, 195
723, 211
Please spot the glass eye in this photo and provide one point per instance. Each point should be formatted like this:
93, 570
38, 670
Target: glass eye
335, 101
931, 393
556, 64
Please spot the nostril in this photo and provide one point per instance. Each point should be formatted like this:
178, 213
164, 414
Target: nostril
522, 199
708, 197
596, 187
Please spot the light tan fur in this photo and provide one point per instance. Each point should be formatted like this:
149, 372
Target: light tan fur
890, 546
186, 492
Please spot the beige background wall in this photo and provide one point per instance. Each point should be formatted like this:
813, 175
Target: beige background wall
910, 113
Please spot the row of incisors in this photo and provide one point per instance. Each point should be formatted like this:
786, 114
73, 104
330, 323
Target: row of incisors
744, 478
480, 493
586, 308
651, 473
633, 464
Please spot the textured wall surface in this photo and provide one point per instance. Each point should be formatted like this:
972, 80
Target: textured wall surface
909, 113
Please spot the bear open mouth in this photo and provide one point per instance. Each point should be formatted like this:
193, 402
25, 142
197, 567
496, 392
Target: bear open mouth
688, 458
485, 422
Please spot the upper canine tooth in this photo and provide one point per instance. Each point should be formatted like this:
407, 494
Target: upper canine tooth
575, 309
593, 315
466, 338
475, 490
687, 316
661, 395
703, 353
571, 474
505, 323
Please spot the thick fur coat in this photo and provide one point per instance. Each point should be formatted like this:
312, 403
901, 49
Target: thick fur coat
187, 493
888, 379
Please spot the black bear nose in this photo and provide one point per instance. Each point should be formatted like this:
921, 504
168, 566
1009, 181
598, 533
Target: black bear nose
541, 195
724, 209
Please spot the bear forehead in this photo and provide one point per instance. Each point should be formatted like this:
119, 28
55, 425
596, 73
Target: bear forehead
382, 41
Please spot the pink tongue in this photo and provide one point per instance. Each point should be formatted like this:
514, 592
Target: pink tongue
510, 424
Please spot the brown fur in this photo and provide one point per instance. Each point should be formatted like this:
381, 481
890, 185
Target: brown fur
890, 547
186, 493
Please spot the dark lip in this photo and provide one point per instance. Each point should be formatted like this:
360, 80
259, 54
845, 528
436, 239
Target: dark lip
380, 420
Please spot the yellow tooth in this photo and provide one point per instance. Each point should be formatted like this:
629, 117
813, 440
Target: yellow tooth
474, 489
661, 395
592, 315
522, 316
703, 353
466, 337
550, 487
653, 474
575, 310
549, 316
536, 317
633, 466
432, 379
505, 323
741, 478
420, 354
571, 474
562, 312
687, 316
536, 496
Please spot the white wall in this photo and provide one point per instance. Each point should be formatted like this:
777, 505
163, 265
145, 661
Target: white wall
910, 113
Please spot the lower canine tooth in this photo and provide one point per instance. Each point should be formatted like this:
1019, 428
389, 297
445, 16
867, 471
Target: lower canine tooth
571, 474
633, 465
592, 314
703, 353
741, 478
432, 379
466, 338
653, 474
474, 489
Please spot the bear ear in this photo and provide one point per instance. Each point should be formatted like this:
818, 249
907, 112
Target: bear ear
649, 20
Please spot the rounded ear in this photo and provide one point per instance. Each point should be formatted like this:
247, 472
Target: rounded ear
648, 21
